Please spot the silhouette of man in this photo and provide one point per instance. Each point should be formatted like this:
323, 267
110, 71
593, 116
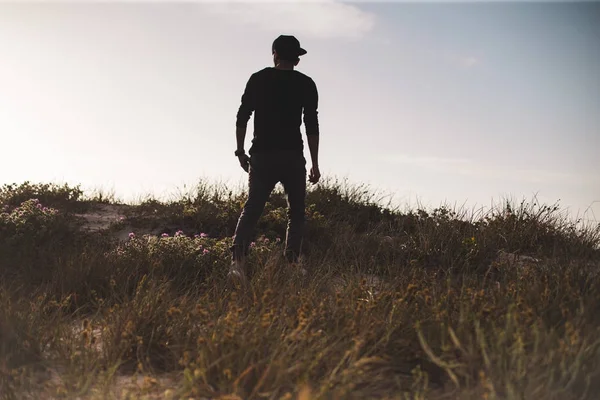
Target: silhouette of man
279, 96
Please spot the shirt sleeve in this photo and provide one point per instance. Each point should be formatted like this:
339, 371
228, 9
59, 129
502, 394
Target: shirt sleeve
311, 104
247, 106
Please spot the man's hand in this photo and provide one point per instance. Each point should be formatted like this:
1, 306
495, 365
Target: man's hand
244, 161
315, 174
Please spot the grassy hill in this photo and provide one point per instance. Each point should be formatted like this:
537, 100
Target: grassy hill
105, 300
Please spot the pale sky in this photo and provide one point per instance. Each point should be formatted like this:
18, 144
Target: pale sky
436, 103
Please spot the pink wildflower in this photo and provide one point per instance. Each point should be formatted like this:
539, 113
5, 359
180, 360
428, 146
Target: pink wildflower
205, 251
267, 240
131, 235
253, 244
39, 206
278, 240
179, 233
165, 235
203, 235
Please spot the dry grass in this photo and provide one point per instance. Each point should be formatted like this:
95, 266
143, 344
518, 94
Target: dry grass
398, 305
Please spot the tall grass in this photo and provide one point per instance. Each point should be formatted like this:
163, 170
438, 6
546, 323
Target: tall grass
419, 304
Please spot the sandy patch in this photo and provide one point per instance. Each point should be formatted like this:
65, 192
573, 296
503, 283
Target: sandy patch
103, 216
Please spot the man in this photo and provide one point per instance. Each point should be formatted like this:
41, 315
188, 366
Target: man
278, 96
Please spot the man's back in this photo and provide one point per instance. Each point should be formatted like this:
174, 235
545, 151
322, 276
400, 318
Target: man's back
278, 98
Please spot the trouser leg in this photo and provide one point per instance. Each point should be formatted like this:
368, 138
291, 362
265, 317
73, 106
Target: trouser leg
261, 184
294, 183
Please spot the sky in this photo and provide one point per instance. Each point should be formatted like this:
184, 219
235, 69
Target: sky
433, 103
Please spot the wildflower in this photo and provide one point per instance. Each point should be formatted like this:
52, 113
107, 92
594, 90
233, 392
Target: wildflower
196, 236
278, 240
179, 233
173, 311
253, 244
200, 310
205, 251
149, 381
185, 359
39, 206
203, 235
131, 235
165, 235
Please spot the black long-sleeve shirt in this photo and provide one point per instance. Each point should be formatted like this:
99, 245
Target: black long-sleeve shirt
278, 99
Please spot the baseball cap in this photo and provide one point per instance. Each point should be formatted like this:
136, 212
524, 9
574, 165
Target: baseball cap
288, 45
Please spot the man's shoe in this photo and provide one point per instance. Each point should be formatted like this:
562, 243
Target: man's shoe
237, 274
297, 268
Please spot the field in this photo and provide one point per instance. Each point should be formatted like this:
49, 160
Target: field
100, 300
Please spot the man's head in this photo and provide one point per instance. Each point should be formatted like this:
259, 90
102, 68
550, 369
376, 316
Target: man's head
287, 49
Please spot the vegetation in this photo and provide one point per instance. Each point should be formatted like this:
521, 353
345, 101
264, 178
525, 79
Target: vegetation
425, 304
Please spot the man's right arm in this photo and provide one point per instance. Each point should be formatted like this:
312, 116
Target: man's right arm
244, 113
311, 122
243, 116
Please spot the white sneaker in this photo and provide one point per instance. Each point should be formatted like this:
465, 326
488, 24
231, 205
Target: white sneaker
237, 274
298, 269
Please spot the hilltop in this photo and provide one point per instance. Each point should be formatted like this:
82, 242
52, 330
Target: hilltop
100, 299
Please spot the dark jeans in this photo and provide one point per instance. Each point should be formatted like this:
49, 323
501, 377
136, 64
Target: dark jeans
266, 170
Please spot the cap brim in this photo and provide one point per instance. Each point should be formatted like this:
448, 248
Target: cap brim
302, 52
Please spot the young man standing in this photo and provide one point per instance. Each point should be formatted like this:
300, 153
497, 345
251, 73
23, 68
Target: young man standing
279, 96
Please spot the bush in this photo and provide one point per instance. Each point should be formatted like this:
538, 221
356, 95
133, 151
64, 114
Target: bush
31, 232
49, 194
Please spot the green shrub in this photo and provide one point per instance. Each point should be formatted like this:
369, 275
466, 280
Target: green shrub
49, 194
32, 229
